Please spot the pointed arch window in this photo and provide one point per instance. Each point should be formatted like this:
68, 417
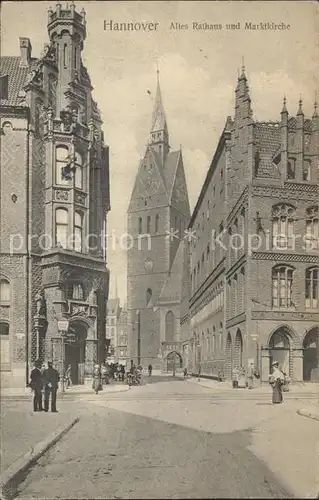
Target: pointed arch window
283, 227
312, 281
282, 282
169, 326
140, 225
148, 296
75, 291
156, 223
148, 224
61, 227
312, 228
65, 55
291, 169
5, 292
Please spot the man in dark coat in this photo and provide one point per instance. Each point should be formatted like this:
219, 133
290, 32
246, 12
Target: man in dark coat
51, 379
36, 384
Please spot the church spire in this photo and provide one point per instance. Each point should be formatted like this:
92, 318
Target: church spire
159, 132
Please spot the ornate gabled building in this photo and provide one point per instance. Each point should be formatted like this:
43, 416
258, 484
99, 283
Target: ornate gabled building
54, 204
158, 215
254, 264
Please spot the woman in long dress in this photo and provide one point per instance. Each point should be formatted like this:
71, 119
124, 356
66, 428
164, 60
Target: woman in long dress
96, 378
276, 380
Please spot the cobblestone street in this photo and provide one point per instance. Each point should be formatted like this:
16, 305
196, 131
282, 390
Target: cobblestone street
172, 439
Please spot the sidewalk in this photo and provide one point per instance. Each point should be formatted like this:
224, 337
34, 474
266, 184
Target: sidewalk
22, 393
311, 389
22, 429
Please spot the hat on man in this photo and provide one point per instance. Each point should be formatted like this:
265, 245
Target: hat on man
275, 363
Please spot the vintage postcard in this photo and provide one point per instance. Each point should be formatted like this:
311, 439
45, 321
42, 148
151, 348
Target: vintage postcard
159, 267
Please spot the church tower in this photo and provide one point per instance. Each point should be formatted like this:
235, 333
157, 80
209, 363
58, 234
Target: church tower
158, 215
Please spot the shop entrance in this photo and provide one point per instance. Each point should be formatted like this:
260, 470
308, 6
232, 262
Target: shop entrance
75, 352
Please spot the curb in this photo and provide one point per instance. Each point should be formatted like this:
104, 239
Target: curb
309, 414
11, 477
62, 396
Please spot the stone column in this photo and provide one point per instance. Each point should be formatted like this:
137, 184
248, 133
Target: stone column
265, 355
297, 365
90, 357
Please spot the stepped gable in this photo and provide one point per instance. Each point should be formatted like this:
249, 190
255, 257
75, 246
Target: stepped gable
171, 291
267, 139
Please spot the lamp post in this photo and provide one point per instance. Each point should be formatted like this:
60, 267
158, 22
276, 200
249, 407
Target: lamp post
138, 338
63, 326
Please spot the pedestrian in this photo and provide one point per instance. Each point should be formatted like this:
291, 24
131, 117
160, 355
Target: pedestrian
96, 386
250, 375
68, 378
104, 374
185, 372
51, 380
235, 378
276, 380
150, 368
36, 384
122, 372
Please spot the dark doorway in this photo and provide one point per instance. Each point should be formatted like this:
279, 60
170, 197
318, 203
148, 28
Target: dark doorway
75, 353
174, 358
310, 357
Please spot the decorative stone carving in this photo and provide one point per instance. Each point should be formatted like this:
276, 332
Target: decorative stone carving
61, 195
307, 192
41, 306
79, 198
285, 257
285, 315
96, 283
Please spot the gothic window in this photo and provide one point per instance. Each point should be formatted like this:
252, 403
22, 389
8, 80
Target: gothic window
156, 223
61, 227
282, 281
5, 292
208, 251
312, 228
75, 62
306, 170
140, 225
148, 296
291, 169
169, 326
78, 176
61, 161
78, 231
283, 226
4, 328
52, 83
312, 296
76, 291
65, 55
148, 224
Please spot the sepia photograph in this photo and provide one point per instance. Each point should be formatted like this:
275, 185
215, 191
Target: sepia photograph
159, 249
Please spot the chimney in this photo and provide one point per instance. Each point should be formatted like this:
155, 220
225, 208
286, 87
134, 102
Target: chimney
25, 52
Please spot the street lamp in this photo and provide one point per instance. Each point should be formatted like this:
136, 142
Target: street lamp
63, 326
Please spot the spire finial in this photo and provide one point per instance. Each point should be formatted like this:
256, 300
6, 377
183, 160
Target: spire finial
300, 112
284, 107
315, 105
243, 65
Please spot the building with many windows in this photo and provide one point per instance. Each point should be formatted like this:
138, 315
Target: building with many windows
116, 331
54, 204
252, 296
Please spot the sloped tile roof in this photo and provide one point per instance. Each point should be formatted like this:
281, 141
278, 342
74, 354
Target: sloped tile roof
170, 167
267, 139
17, 77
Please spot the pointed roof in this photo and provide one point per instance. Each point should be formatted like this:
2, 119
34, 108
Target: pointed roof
158, 118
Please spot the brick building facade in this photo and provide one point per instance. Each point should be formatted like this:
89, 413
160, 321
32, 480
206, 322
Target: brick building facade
253, 295
158, 215
54, 204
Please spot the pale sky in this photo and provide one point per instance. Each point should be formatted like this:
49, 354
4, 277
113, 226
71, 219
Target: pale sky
198, 74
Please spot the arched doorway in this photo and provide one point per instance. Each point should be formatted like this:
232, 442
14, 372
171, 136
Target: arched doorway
174, 359
75, 352
279, 349
238, 350
169, 326
310, 356
229, 357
